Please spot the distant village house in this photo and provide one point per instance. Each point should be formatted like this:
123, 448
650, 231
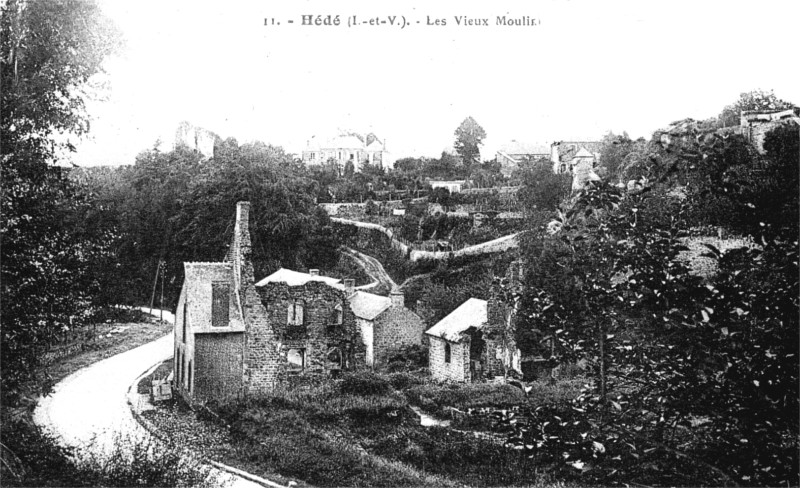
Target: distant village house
515, 153
344, 148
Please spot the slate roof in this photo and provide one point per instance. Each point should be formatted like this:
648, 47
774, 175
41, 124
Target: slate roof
296, 278
368, 306
472, 313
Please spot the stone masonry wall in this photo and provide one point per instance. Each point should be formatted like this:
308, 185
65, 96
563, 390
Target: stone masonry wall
394, 328
458, 367
499, 350
218, 366
320, 333
261, 356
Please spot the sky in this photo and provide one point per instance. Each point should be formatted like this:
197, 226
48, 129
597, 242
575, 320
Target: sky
587, 67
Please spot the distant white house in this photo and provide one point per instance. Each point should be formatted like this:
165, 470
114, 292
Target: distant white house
344, 148
453, 186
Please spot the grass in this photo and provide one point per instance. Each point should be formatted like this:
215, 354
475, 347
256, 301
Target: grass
361, 431
31, 457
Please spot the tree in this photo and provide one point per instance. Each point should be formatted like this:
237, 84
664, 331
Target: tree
49, 52
685, 372
469, 136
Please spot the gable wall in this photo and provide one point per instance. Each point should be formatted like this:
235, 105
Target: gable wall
394, 328
457, 369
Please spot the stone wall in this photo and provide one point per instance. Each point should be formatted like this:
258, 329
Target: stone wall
320, 332
707, 267
458, 367
394, 328
218, 366
497, 245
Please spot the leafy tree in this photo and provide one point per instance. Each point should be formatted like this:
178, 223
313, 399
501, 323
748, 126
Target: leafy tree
688, 373
51, 250
469, 138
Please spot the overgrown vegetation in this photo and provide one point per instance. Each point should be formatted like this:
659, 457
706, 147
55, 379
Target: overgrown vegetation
694, 381
360, 430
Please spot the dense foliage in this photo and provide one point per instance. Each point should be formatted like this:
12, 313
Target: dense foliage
53, 244
694, 379
177, 207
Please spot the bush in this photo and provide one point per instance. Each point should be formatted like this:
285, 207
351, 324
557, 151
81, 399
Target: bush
408, 358
403, 380
364, 383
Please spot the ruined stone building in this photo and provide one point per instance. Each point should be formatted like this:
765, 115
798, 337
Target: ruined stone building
314, 328
235, 337
756, 124
474, 342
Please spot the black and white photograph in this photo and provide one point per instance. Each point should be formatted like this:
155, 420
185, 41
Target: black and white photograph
273, 243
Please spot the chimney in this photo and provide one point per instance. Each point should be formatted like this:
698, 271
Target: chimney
398, 298
349, 287
313, 272
243, 216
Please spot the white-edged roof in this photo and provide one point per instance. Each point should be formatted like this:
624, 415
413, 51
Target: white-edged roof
296, 278
584, 153
472, 313
368, 306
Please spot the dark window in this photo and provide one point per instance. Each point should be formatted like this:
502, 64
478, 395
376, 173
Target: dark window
189, 386
295, 315
185, 311
220, 304
447, 353
338, 315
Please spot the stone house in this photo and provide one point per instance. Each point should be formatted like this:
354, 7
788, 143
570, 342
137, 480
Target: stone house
474, 342
514, 154
235, 337
385, 324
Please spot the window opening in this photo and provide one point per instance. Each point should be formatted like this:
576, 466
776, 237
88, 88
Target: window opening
220, 304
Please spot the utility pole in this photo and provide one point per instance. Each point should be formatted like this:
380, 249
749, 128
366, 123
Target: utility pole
155, 283
161, 266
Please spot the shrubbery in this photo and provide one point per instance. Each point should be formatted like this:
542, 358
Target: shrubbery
364, 383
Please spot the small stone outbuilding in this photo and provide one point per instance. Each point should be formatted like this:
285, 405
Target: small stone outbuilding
474, 342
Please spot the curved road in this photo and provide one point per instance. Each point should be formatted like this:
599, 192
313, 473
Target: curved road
88, 410
372, 267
